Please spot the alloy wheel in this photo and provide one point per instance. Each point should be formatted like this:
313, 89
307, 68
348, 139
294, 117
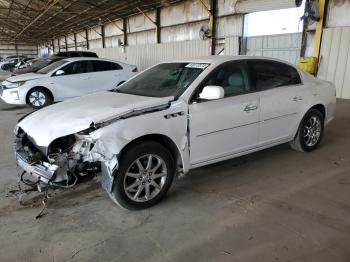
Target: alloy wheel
145, 178
312, 131
37, 98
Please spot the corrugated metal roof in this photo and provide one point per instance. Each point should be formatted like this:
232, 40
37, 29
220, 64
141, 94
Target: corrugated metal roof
37, 20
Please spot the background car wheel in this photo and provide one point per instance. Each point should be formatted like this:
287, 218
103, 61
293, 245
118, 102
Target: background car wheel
310, 132
39, 97
145, 175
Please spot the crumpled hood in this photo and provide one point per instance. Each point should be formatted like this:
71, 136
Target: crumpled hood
75, 115
25, 77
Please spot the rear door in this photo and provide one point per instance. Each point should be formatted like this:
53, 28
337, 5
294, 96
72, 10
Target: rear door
106, 75
76, 80
281, 94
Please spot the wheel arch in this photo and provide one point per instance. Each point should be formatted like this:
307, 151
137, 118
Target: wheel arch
164, 140
321, 108
42, 87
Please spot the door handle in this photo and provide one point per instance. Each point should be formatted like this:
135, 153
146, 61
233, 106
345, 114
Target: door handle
297, 98
250, 108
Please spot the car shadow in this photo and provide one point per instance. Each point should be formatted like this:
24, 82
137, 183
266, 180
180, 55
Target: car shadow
7, 107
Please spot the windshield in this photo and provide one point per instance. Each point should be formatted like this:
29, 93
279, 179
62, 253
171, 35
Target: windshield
52, 67
168, 79
40, 63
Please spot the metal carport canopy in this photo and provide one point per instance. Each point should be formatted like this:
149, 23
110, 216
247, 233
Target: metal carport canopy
37, 20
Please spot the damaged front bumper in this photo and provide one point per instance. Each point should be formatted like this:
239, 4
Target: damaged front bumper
40, 171
63, 166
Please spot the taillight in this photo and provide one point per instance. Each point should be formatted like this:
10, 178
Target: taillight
135, 70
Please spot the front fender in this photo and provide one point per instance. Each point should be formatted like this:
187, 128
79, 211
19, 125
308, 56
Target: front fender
169, 123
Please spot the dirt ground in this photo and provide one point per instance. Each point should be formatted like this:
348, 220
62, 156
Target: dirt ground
274, 205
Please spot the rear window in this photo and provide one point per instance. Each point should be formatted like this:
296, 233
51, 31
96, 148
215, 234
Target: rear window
73, 54
77, 54
105, 66
272, 74
88, 54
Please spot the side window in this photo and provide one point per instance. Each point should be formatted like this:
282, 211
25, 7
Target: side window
271, 74
73, 54
79, 67
233, 77
88, 54
100, 66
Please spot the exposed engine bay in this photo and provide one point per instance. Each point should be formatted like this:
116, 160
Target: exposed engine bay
62, 162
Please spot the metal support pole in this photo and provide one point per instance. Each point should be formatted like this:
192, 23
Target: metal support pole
304, 33
244, 39
103, 36
16, 47
319, 28
65, 40
213, 9
125, 32
75, 42
157, 36
158, 39
87, 39
59, 45
209, 13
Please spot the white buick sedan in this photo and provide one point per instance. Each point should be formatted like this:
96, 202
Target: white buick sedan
172, 118
67, 78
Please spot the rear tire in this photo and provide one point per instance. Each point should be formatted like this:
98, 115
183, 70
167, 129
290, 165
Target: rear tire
145, 175
39, 97
309, 133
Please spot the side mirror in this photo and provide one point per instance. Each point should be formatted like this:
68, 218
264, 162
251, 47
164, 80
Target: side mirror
59, 73
212, 93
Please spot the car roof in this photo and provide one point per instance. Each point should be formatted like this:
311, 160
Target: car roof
218, 59
52, 57
73, 59
74, 52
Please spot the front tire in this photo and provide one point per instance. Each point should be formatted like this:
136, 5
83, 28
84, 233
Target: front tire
144, 177
38, 98
310, 132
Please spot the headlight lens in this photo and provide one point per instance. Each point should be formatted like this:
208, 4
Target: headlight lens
9, 85
21, 83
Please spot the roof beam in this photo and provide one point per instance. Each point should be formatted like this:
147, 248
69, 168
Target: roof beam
57, 13
37, 18
81, 23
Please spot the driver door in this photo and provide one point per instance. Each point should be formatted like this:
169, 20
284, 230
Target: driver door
222, 128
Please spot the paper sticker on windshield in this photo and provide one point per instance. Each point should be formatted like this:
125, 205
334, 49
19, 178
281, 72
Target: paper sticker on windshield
197, 65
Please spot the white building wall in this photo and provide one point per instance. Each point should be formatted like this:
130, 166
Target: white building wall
232, 45
81, 40
335, 59
338, 13
70, 42
285, 47
148, 55
21, 48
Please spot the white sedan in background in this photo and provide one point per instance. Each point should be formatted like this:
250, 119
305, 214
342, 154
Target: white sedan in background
172, 118
67, 78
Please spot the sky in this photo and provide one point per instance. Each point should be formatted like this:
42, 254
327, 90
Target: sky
275, 22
